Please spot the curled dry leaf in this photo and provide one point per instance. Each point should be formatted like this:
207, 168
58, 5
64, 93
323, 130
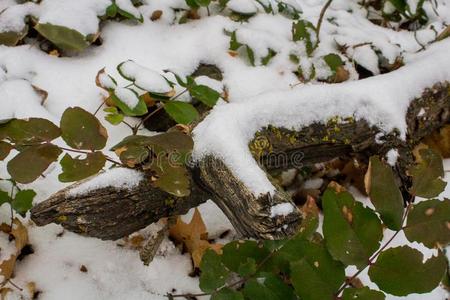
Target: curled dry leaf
20, 234
194, 237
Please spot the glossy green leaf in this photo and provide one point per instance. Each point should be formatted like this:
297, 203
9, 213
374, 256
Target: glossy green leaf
227, 294
29, 164
429, 223
214, 274
310, 278
75, 169
363, 293
269, 287
384, 193
181, 112
30, 131
63, 37
204, 94
352, 232
23, 201
239, 256
82, 130
5, 148
427, 174
400, 271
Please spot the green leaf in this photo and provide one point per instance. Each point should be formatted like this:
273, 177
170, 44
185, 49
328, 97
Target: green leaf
310, 279
181, 112
114, 119
75, 169
29, 164
171, 177
132, 155
4, 197
169, 141
300, 32
227, 294
23, 201
268, 286
214, 274
63, 37
266, 59
384, 193
139, 110
242, 256
234, 44
203, 3
352, 232
334, 61
204, 94
429, 223
363, 293
192, 4
400, 5
310, 221
82, 130
250, 55
30, 131
12, 38
399, 271
5, 148
427, 174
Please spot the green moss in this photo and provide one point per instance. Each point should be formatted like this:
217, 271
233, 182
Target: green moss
61, 219
170, 202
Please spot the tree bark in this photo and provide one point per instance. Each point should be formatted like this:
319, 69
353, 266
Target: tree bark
110, 213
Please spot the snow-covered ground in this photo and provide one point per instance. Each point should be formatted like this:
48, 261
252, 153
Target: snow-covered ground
115, 272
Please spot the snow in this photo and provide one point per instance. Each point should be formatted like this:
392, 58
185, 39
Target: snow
117, 178
376, 99
145, 78
257, 95
106, 81
127, 96
127, 6
243, 6
392, 156
282, 209
80, 15
13, 18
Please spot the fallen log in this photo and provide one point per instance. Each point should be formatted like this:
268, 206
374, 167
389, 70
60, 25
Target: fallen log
111, 213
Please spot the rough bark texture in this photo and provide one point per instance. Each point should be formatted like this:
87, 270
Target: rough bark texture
110, 214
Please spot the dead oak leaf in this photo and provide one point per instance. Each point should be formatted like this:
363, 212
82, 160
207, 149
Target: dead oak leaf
20, 234
194, 237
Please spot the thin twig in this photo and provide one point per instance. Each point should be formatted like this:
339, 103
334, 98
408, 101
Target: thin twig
136, 128
319, 23
88, 152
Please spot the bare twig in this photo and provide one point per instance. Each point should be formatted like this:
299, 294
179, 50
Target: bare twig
319, 23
